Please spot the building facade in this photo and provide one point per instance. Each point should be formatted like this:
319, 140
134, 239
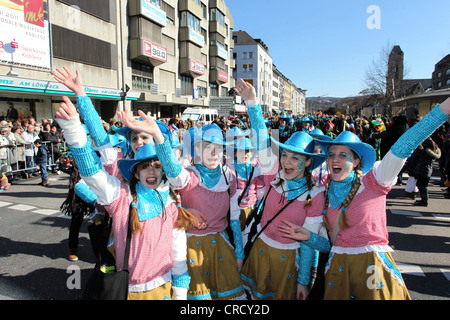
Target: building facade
441, 75
159, 56
254, 64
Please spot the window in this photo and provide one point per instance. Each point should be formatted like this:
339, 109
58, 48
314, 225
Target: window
448, 82
156, 3
218, 16
244, 55
214, 90
201, 91
244, 68
142, 76
190, 21
250, 67
250, 55
447, 72
186, 86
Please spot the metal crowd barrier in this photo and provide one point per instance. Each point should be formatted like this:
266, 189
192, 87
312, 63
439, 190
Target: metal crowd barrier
11, 163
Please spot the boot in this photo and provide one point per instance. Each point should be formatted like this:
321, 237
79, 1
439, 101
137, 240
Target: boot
45, 183
424, 201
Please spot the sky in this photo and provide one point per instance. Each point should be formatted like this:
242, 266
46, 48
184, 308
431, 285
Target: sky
326, 46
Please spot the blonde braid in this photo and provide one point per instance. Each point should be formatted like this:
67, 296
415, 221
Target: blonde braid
185, 219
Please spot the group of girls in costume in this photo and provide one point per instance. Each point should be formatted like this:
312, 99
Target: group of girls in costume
352, 208
216, 248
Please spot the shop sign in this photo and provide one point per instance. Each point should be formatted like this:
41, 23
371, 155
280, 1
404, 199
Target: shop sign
152, 12
153, 51
24, 33
197, 67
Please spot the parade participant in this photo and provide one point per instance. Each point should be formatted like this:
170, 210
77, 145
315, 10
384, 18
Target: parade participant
158, 245
270, 270
249, 179
206, 186
307, 124
361, 264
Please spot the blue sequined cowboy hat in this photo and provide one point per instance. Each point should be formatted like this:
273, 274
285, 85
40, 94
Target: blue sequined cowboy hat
243, 143
365, 152
236, 132
211, 133
118, 140
318, 135
126, 166
302, 143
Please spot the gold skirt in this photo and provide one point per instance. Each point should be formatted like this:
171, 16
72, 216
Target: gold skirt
270, 273
213, 269
366, 276
160, 293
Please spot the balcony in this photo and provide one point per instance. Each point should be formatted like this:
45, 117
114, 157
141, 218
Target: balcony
218, 76
191, 67
143, 50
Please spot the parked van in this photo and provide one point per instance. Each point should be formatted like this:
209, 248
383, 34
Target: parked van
205, 115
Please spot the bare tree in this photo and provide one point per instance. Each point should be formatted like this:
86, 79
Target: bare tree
379, 82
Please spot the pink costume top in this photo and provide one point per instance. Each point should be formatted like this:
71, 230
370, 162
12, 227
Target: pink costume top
212, 203
366, 217
295, 212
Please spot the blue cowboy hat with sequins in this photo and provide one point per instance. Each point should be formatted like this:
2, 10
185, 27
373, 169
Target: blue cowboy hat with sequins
211, 133
237, 132
318, 135
365, 152
302, 143
243, 143
126, 166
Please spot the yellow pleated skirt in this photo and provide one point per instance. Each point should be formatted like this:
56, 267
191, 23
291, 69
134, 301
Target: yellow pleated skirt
213, 269
270, 273
367, 276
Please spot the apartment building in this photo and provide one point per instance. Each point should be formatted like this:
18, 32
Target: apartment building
254, 64
159, 56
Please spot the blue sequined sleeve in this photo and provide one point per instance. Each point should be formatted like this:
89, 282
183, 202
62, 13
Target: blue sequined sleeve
181, 281
412, 138
318, 243
305, 262
85, 193
87, 161
172, 167
92, 121
238, 242
259, 128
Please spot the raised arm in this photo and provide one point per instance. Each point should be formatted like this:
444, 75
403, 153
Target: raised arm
394, 160
84, 104
268, 160
84, 155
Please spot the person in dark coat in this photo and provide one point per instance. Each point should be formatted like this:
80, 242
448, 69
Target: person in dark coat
426, 153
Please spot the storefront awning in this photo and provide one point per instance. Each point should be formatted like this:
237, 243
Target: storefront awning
55, 88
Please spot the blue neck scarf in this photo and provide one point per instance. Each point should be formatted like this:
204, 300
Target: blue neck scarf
243, 169
151, 203
338, 190
210, 177
296, 187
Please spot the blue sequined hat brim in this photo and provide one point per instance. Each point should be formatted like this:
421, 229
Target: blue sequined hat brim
317, 158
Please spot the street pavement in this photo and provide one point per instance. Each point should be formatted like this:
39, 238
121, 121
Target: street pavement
34, 238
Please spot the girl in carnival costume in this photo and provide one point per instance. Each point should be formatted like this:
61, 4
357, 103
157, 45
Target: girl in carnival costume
249, 179
360, 264
158, 246
270, 271
206, 186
